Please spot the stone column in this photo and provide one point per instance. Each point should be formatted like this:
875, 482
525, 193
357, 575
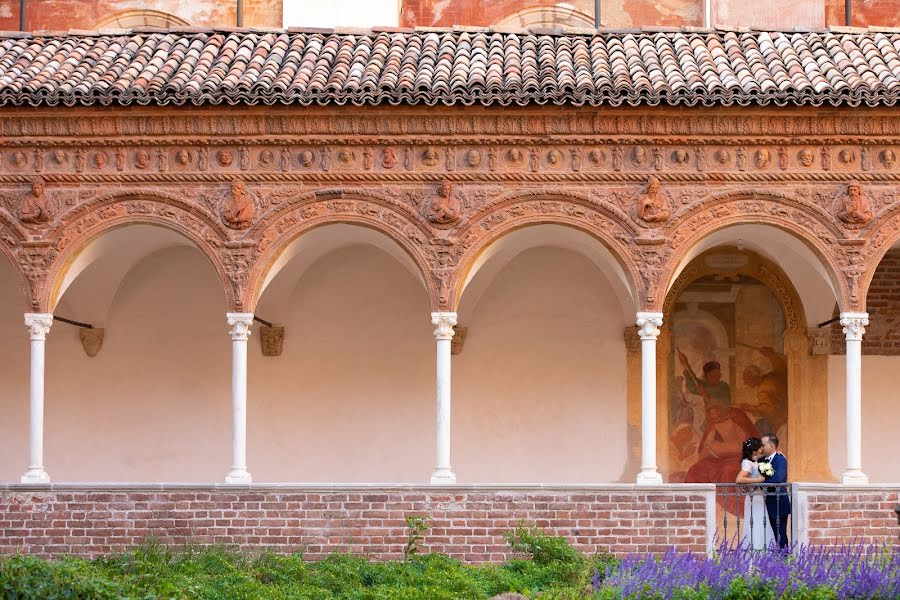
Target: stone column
648, 328
443, 333
39, 326
240, 331
854, 324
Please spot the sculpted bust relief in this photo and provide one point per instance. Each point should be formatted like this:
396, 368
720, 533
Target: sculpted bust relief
651, 204
443, 208
34, 208
238, 211
854, 209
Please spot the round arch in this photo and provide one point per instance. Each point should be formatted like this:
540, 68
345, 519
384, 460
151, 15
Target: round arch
75, 237
756, 266
880, 242
603, 233
128, 19
501, 250
283, 237
775, 226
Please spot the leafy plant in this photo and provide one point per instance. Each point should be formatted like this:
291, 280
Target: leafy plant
417, 527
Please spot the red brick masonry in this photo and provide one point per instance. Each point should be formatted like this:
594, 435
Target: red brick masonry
466, 522
836, 515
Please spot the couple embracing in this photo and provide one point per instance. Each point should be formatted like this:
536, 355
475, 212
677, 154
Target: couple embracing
766, 508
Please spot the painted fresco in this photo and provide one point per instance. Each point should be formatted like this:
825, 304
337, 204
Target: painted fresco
729, 376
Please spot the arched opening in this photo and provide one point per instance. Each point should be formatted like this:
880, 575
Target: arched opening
158, 389
540, 382
749, 298
351, 397
13, 376
880, 363
128, 19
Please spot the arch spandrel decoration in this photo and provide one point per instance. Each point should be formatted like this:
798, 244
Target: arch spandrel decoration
808, 223
524, 210
310, 211
76, 229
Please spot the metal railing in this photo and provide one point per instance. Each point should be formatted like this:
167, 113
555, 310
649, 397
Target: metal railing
756, 516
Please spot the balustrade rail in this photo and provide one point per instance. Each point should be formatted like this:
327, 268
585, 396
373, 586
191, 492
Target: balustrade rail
755, 516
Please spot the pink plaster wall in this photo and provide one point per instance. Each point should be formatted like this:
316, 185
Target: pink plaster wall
352, 397
539, 389
880, 419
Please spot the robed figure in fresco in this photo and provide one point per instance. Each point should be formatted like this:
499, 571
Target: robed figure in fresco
725, 428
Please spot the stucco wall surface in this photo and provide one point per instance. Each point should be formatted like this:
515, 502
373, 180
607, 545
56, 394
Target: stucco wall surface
539, 389
63, 15
880, 417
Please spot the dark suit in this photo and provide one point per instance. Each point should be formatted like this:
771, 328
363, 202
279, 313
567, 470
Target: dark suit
778, 500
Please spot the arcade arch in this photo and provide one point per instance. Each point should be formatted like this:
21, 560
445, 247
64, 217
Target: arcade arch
539, 382
350, 397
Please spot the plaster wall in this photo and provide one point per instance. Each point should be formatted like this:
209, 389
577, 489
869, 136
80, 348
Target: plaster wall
63, 15
351, 399
880, 417
539, 388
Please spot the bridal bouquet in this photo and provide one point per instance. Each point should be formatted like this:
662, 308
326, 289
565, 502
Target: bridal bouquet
766, 469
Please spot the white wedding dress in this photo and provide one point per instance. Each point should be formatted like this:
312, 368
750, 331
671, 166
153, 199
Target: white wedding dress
757, 532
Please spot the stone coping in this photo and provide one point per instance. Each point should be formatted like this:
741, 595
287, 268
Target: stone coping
364, 487
840, 487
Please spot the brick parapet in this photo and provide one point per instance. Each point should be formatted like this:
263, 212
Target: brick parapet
466, 522
830, 514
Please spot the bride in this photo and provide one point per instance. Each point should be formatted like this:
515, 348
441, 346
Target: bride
757, 534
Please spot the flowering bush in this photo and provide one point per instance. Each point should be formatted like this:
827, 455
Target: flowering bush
549, 569
857, 571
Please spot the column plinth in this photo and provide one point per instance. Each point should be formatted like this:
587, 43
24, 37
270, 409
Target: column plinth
443, 334
240, 332
38, 326
854, 324
648, 329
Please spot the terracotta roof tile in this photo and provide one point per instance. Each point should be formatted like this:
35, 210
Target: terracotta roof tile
315, 66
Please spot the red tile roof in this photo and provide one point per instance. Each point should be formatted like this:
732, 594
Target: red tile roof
192, 66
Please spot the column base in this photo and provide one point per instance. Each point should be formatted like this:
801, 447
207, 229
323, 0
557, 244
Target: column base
854, 477
443, 476
649, 477
35, 475
238, 477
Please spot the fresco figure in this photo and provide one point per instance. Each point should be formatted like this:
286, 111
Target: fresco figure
771, 391
714, 391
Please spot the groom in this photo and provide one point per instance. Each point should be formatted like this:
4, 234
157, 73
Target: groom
778, 501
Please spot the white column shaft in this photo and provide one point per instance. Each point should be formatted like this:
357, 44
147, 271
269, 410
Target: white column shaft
648, 328
38, 325
854, 328
240, 331
443, 333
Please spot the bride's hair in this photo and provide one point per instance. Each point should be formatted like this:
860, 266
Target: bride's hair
750, 446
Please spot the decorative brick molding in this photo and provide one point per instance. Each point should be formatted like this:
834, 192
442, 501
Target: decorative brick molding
466, 522
243, 185
830, 514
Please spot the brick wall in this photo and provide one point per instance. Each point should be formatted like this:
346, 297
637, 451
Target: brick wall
466, 523
834, 515
882, 336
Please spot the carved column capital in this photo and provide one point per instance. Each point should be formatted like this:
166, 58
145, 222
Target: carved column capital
854, 324
38, 325
444, 322
648, 324
240, 326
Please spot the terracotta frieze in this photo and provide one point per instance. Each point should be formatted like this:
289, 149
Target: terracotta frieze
444, 185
